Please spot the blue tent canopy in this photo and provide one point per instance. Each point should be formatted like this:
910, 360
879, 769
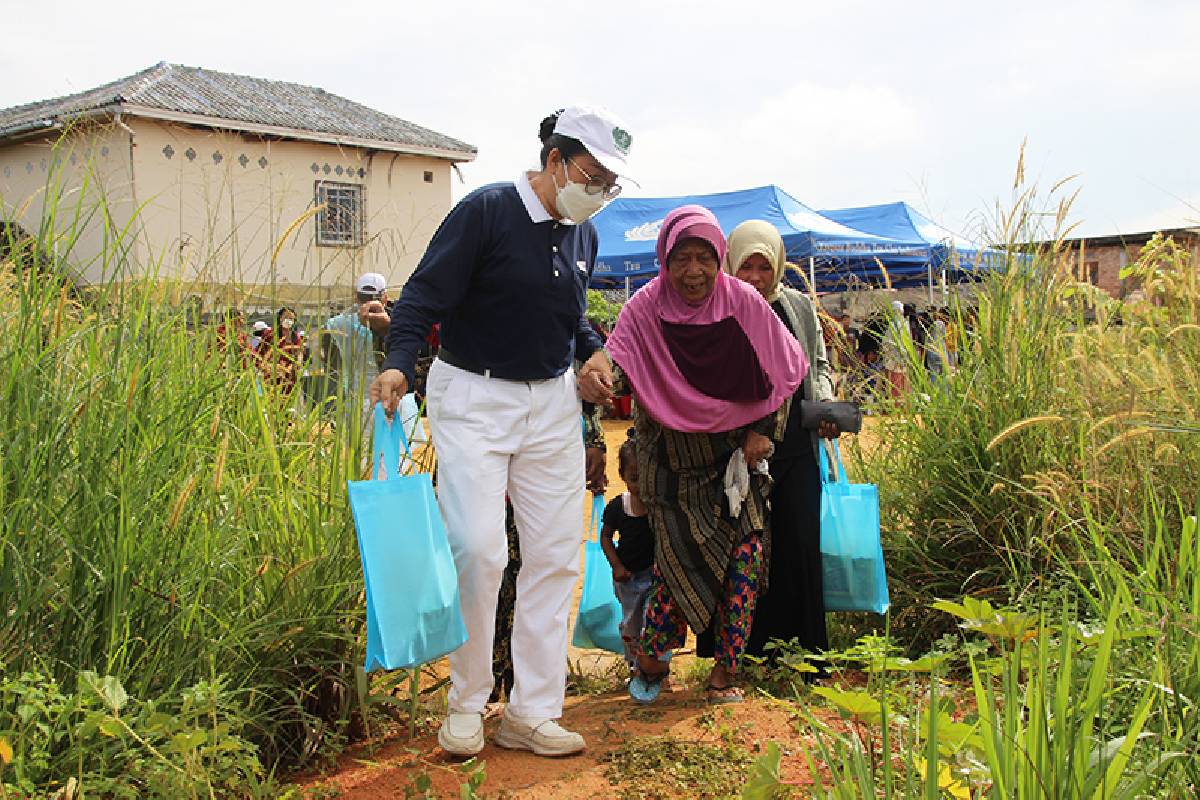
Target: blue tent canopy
628, 229
903, 222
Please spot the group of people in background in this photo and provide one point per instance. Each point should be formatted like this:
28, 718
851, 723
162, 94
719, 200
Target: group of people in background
279, 352
876, 360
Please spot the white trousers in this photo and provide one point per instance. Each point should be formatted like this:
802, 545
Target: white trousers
495, 437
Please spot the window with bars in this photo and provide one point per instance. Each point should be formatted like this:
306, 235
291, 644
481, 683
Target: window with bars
341, 218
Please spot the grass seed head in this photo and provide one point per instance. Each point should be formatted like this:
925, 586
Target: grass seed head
1019, 426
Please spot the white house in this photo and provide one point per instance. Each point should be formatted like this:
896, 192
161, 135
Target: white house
225, 186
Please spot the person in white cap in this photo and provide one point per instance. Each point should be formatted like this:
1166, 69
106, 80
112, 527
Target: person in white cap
260, 328
506, 275
352, 342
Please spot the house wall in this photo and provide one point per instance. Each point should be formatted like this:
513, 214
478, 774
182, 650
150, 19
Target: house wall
223, 216
218, 206
78, 188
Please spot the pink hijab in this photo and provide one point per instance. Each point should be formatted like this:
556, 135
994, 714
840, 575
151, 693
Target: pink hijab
648, 344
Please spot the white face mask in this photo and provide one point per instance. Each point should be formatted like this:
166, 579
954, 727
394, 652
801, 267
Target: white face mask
573, 201
288, 323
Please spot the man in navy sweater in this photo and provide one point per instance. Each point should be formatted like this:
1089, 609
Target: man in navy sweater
506, 275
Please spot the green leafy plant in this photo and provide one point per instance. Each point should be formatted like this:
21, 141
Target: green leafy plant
764, 781
667, 766
600, 309
114, 745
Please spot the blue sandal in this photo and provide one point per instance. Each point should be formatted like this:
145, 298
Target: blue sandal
644, 688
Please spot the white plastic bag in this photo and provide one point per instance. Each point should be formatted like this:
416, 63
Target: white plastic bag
737, 480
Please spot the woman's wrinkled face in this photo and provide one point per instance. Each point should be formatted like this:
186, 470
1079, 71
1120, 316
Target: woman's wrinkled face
692, 267
757, 272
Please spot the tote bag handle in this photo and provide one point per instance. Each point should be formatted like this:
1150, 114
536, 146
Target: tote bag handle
832, 461
386, 444
597, 515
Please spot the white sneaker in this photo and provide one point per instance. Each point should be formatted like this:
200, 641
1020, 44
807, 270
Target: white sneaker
544, 737
461, 734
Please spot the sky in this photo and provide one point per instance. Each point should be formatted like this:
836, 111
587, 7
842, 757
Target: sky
841, 103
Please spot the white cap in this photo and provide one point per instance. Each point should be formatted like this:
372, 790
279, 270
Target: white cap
898, 306
370, 283
601, 132
261, 326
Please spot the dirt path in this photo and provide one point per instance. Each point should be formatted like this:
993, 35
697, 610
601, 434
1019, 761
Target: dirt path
607, 722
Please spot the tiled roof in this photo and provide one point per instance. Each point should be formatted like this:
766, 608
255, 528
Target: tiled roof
243, 102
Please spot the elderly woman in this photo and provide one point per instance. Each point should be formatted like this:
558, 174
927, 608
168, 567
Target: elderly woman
710, 366
794, 608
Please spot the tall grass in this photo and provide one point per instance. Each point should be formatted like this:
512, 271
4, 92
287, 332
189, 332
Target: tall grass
1058, 467
167, 519
1067, 406
1051, 714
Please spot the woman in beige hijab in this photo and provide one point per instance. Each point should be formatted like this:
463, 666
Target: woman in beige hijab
793, 607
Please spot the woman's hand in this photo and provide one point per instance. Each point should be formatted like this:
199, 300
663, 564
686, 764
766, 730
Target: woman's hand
620, 574
597, 481
595, 380
756, 448
828, 429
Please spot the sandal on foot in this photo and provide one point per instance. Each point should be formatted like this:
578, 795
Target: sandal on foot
645, 688
723, 695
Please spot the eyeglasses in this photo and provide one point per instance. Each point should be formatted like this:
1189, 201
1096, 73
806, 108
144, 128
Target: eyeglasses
597, 185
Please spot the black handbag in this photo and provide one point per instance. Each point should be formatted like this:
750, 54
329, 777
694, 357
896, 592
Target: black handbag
847, 416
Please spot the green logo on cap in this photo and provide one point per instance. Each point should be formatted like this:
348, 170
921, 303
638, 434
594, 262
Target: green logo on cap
622, 140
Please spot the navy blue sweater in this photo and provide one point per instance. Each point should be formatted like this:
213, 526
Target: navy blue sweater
511, 294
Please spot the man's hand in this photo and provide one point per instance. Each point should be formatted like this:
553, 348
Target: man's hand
373, 315
756, 448
388, 388
828, 429
596, 379
597, 481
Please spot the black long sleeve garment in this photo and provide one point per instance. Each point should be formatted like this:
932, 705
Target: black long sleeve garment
510, 293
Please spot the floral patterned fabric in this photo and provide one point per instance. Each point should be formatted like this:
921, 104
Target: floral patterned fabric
682, 484
666, 625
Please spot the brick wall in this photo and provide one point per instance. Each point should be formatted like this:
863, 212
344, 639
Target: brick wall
1101, 262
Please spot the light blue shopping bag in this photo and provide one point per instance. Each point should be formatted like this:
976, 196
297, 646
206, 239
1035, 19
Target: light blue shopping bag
852, 567
413, 613
598, 625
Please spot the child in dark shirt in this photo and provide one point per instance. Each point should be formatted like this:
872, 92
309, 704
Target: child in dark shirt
632, 557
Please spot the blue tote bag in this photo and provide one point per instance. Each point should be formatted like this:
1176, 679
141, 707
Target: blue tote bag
413, 613
598, 625
851, 553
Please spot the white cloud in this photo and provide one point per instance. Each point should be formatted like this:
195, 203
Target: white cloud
841, 104
792, 138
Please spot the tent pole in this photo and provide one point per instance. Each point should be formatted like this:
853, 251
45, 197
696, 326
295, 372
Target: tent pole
945, 289
626, 288
929, 269
812, 277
